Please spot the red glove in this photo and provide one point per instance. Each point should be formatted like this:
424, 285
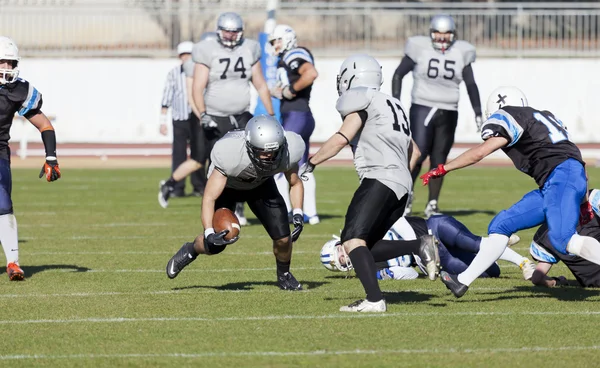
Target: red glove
435, 173
586, 213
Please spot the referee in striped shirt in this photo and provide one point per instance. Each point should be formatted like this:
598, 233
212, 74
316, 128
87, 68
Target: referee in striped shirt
186, 128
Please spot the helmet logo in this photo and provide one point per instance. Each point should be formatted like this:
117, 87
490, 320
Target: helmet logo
501, 99
271, 146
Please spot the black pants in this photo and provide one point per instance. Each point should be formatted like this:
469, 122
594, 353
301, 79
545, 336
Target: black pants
224, 125
189, 132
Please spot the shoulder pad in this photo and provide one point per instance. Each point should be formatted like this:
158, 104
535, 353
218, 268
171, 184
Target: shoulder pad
254, 48
202, 51
467, 50
224, 148
296, 147
188, 68
297, 54
354, 100
502, 123
415, 45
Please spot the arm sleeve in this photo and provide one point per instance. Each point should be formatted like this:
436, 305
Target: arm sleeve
472, 89
406, 65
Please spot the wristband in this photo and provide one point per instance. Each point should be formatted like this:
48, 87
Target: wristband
291, 88
209, 231
297, 211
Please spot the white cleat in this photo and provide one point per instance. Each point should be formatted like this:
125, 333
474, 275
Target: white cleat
432, 209
313, 220
365, 306
514, 239
528, 268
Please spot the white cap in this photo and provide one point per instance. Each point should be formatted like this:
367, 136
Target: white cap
185, 47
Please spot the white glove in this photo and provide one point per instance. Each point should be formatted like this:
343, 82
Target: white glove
276, 91
206, 121
163, 124
287, 93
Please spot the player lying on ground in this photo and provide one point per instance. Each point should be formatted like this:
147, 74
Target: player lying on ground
587, 273
243, 164
538, 144
456, 244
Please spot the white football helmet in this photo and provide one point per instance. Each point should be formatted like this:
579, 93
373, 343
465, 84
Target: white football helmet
359, 70
230, 22
504, 96
287, 36
442, 24
331, 253
9, 51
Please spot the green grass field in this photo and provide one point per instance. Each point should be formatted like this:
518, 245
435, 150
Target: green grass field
94, 246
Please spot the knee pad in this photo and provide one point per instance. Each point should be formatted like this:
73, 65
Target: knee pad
214, 249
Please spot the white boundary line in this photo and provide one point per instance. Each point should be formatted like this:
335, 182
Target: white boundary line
291, 317
523, 349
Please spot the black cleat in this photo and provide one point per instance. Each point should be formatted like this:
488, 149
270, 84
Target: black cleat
164, 192
287, 281
182, 258
452, 283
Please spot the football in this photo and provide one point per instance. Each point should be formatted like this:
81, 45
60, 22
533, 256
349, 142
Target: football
225, 219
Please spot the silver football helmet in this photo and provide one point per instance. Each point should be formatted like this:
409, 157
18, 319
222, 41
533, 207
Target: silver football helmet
504, 96
287, 36
334, 256
442, 23
265, 142
359, 70
230, 29
9, 51
209, 36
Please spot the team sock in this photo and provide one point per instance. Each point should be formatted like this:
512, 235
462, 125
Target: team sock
9, 237
490, 249
389, 249
310, 193
365, 269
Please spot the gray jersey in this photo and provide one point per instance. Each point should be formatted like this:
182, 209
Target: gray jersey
381, 146
438, 75
230, 157
228, 89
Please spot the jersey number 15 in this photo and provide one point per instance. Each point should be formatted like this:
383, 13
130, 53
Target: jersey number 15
396, 125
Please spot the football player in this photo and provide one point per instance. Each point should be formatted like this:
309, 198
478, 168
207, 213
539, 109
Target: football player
376, 127
223, 71
541, 249
296, 74
18, 96
439, 64
538, 144
457, 247
243, 164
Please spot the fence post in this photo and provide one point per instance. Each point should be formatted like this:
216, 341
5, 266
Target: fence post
520, 31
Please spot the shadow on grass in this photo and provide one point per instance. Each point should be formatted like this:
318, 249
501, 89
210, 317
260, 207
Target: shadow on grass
32, 270
250, 285
571, 293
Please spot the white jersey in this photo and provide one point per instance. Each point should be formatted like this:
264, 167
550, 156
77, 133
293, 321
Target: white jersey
437, 75
230, 74
230, 157
381, 146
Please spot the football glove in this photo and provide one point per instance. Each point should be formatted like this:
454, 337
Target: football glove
288, 93
276, 92
307, 168
50, 170
218, 239
298, 221
478, 122
206, 121
586, 213
435, 173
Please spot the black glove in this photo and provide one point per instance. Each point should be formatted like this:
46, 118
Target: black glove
218, 239
307, 168
298, 221
50, 170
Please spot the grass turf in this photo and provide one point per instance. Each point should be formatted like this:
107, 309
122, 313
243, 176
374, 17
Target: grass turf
94, 246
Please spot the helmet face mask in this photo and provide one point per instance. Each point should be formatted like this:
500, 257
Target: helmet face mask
230, 29
265, 142
334, 257
282, 39
9, 55
442, 32
359, 70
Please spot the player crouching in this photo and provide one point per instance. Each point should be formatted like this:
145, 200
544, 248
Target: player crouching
243, 164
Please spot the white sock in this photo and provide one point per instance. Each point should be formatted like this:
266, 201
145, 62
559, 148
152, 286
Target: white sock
585, 247
310, 196
9, 238
284, 189
490, 250
512, 256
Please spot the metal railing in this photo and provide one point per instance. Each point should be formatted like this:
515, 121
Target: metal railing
152, 27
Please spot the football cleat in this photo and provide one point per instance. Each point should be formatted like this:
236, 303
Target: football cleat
287, 281
528, 268
182, 258
408, 209
452, 283
15, 273
432, 209
239, 212
514, 239
164, 192
313, 220
428, 259
365, 306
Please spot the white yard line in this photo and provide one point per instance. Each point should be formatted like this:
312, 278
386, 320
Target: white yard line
474, 351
